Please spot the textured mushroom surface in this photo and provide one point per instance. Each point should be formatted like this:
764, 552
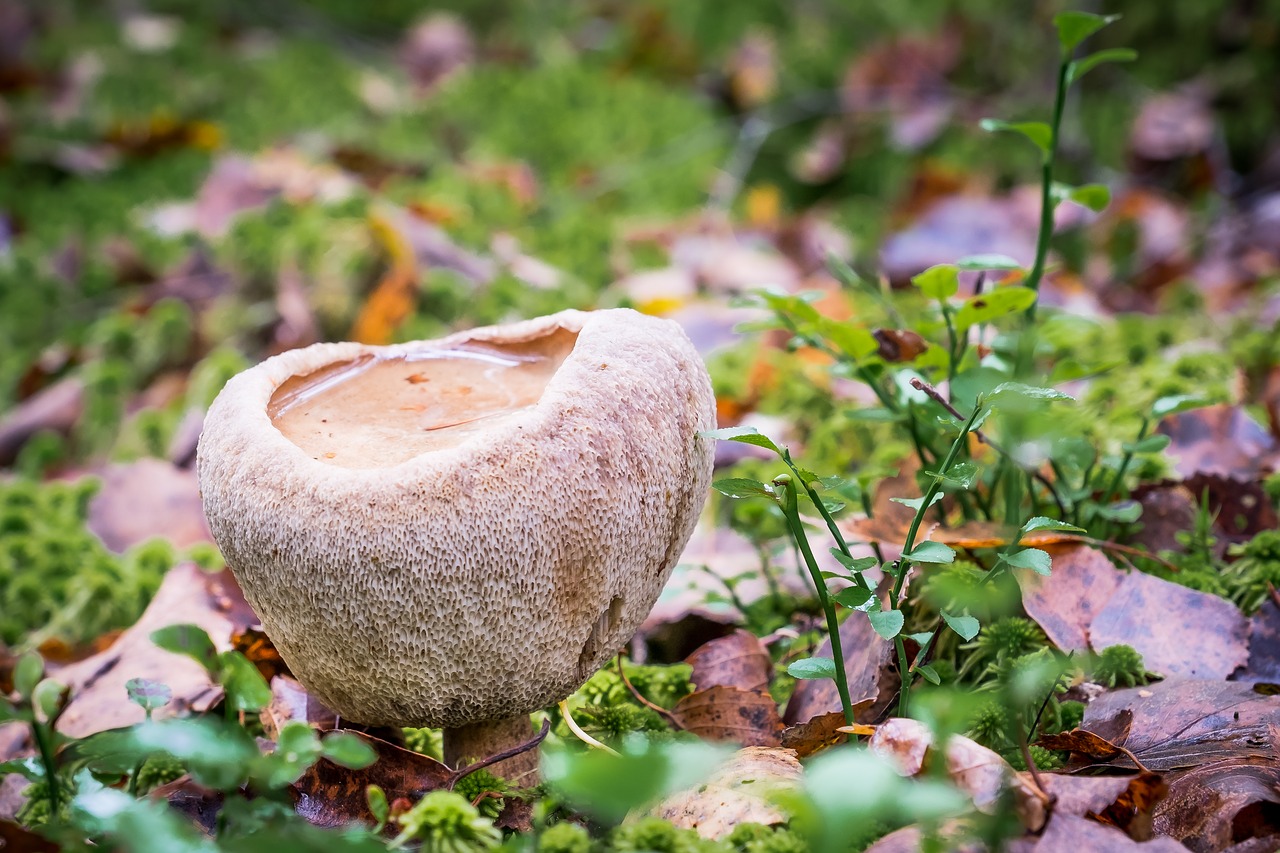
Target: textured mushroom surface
480, 580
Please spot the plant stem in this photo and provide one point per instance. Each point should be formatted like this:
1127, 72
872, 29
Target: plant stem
1118, 478
790, 507
45, 746
1046, 187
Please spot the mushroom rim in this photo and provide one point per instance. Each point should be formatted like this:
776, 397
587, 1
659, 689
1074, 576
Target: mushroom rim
252, 390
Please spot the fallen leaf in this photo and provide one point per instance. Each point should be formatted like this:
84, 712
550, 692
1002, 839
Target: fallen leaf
1178, 631
738, 793
1173, 126
56, 409
195, 802
99, 700
866, 659
1183, 723
977, 771
392, 301
906, 78
146, 499
1221, 440
1083, 743
329, 795
1264, 645
290, 701
821, 732
729, 714
15, 839
738, 660
1167, 510
1125, 802
1240, 507
1070, 834
957, 226
1065, 603
1088, 603
1222, 803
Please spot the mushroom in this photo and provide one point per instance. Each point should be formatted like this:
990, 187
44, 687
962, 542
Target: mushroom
455, 533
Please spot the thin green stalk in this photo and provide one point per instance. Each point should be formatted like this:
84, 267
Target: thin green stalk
900, 576
829, 519
1046, 186
1118, 478
45, 746
791, 509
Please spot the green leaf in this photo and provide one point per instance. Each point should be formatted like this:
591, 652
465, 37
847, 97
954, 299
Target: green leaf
742, 435
1081, 67
1041, 522
1150, 444
920, 638
147, 694
348, 750
1034, 559
852, 597
139, 826
988, 262
811, 668
928, 673
856, 341
785, 303
1006, 390
27, 673
962, 474
1075, 27
378, 805
1125, 512
297, 748
1174, 404
993, 305
1096, 197
854, 564
189, 640
245, 687
1040, 134
931, 552
966, 626
741, 487
48, 696
887, 623
938, 282
916, 503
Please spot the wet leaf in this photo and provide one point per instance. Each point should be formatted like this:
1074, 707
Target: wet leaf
738, 660
739, 487
728, 714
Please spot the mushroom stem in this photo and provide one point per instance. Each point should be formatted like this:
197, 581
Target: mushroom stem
468, 744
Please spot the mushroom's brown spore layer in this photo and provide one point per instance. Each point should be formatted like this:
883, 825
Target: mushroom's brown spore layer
377, 412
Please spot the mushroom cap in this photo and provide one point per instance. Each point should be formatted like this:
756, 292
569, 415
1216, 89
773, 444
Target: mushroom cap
486, 579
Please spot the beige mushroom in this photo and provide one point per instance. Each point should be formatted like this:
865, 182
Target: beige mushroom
458, 532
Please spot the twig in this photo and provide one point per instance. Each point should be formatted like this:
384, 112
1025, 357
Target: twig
463, 772
582, 735
667, 715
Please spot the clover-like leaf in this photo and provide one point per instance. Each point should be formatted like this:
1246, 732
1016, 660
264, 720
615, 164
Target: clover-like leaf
811, 668
1034, 559
966, 626
887, 623
938, 282
931, 552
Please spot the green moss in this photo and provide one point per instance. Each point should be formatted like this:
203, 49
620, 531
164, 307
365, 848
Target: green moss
156, 771
475, 786
654, 835
1120, 666
1255, 573
564, 837
757, 838
429, 742
56, 578
445, 822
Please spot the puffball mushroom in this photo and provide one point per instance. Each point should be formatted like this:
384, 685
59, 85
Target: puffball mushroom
458, 532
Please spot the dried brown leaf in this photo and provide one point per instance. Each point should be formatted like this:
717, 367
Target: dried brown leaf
1065, 603
821, 732
146, 499
866, 659
738, 660
1264, 645
729, 714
